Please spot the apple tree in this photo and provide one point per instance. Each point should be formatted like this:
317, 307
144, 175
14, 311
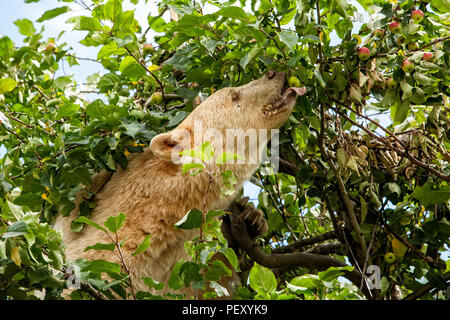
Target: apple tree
363, 186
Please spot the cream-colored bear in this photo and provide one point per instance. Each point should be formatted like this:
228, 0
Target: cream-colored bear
154, 194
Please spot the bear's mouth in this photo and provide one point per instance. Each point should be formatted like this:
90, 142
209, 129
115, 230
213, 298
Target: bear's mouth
285, 100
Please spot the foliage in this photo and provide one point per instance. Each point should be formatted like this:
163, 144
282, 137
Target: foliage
361, 156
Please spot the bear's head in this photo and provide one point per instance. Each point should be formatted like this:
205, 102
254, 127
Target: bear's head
256, 108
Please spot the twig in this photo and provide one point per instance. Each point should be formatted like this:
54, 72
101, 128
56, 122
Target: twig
431, 43
82, 58
40, 91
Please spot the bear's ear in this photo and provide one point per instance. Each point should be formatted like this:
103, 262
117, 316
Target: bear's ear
167, 146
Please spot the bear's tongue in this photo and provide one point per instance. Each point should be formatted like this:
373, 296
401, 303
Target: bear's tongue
292, 90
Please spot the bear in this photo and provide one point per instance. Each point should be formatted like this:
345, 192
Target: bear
153, 192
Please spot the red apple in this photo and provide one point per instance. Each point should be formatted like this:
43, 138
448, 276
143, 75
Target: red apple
148, 48
417, 16
395, 27
407, 66
364, 53
51, 47
428, 56
391, 83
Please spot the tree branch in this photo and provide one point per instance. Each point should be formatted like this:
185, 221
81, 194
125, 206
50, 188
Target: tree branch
305, 242
310, 261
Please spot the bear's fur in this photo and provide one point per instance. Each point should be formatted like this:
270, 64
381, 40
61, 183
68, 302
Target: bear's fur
154, 194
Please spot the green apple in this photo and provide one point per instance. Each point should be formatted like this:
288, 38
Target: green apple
156, 98
389, 257
413, 46
293, 81
391, 83
148, 48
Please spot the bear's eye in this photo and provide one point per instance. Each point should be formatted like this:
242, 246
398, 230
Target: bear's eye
235, 95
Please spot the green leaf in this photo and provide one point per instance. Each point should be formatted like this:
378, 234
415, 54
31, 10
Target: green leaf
112, 9
218, 289
423, 79
216, 271
442, 6
319, 77
85, 220
67, 110
249, 56
189, 272
85, 23
16, 229
99, 266
25, 27
114, 223
7, 85
153, 283
81, 175
232, 258
289, 38
189, 166
229, 180
107, 50
175, 282
265, 6
28, 199
143, 245
50, 14
393, 187
427, 196
402, 111
101, 246
191, 220
179, 116
95, 109
262, 280
207, 151
308, 281
130, 68
234, 13
333, 272
108, 82
15, 209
